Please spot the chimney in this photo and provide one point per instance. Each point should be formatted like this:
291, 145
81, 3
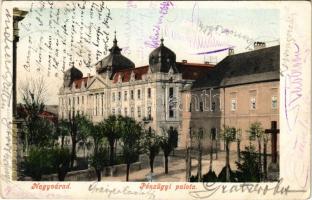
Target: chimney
184, 61
259, 45
231, 51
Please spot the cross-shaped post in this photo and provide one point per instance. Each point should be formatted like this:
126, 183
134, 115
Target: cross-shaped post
273, 131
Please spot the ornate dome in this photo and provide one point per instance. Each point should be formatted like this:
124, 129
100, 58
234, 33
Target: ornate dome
70, 75
114, 61
162, 58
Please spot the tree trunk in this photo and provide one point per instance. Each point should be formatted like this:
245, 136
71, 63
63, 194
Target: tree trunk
62, 141
111, 153
187, 177
61, 173
73, 153
227, 162
238, 151
199, 170
166, 164
265, 160
152, 163
216, 149
128, 171
211, 149
260, 163
98, 174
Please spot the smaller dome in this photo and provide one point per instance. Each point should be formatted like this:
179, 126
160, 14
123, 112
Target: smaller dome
114, 61
70, 75
162, 58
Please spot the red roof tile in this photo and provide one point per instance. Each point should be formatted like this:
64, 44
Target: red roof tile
126, 74
189, 71
79, 82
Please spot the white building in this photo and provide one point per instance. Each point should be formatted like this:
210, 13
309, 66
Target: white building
149, 93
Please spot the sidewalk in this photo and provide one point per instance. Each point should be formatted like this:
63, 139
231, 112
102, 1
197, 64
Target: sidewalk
176, 169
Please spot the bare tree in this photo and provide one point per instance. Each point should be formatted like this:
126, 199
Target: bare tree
38, 130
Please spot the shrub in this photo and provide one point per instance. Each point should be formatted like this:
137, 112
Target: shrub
194, 178
248, 169
61, 160
37, 163
210, 177
222, 175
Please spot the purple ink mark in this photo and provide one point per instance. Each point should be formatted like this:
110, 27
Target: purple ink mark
195, 4
295, 87
285, 101
214, 51
164, 7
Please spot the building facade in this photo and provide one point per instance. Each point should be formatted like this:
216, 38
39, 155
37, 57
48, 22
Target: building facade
240, 90
150, 93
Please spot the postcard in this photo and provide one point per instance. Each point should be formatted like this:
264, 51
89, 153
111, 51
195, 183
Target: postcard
155, 100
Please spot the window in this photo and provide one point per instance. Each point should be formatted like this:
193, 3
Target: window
78, 100
190, 108
69, 101
233, 104
171, 92
119, 111
253, 103
149, 112
119, 96
139, 94
213, 106
274, 102
131, 95
139, 112
132, 112
73, 101
171, 106
201, 106
149, 93
126, 111
113, 96
125, 95
213, 133
113, 111
82, 99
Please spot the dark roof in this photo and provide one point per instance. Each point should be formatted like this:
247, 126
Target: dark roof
114, 61
162, 59
253, 66
70, 75
193, 71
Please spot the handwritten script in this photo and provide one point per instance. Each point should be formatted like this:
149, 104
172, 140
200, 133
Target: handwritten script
76, 34
113, 192
252, 188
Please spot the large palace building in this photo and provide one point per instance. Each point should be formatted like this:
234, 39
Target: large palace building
241, 89
151, 93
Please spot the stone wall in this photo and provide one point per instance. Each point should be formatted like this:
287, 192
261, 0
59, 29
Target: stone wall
90, 175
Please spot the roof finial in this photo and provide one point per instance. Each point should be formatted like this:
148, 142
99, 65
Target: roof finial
162, 41
115, 40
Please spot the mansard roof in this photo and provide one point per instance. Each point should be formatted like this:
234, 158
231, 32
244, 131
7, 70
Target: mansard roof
253, 66
193, 71
190, 71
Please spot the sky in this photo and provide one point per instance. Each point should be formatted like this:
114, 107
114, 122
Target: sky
195, 31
